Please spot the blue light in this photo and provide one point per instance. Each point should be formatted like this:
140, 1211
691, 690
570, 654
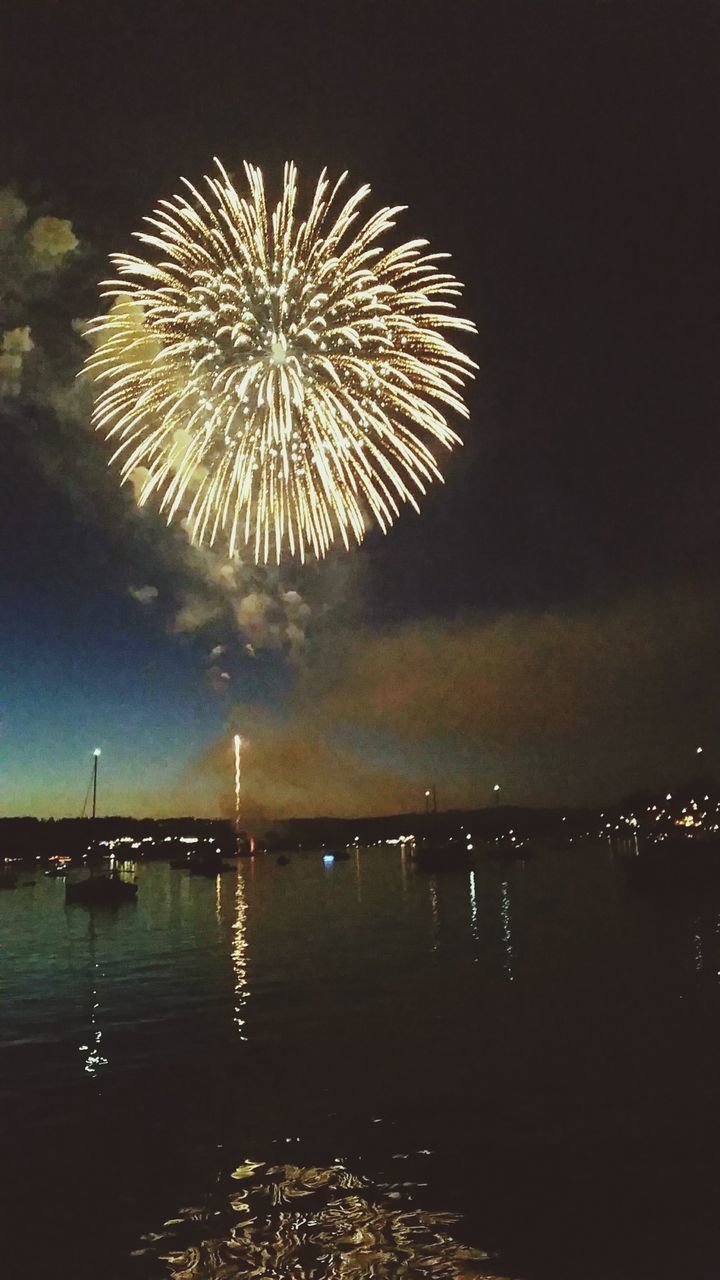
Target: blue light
328, 859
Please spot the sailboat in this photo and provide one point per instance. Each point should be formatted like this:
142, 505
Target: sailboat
100, 888
435, 853
441, 855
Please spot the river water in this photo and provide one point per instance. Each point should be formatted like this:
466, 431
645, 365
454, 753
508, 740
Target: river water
358, 1070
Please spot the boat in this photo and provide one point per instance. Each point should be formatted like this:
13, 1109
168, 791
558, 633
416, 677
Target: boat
101, 888
210, 865
108, 889
283, 860
512, 851
448, 855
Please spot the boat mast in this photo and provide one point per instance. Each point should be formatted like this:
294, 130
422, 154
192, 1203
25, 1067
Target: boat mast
96, 756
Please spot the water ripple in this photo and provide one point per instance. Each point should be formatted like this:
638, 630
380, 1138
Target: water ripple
285, 1222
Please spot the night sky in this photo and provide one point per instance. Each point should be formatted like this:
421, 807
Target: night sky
550, 620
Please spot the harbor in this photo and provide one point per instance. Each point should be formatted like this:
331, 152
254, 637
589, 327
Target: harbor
216, 1022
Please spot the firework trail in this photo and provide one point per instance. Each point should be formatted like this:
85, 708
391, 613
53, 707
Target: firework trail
278, 381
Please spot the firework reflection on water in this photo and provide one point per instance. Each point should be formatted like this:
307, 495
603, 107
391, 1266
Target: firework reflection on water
313, 1224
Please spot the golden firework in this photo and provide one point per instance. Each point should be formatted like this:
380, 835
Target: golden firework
275, 380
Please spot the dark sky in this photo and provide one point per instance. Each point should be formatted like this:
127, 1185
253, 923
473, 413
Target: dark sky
564, 153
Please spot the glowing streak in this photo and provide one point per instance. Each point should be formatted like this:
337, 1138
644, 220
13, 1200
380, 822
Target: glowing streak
278, 380
237, 744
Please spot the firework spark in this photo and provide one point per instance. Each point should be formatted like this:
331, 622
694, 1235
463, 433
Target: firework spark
274, 379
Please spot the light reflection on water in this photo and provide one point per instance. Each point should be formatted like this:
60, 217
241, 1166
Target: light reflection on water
506, 928
435, 910
284, 1221
697, 939
358, 874
239, 952
94, 1058
367, 1012
473, 911
90, 1047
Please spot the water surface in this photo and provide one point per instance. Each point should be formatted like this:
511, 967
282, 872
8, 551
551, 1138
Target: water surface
358, 1070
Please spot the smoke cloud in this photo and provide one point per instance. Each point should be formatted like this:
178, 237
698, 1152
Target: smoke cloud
557, 708
50, 241
49, 279
144, 595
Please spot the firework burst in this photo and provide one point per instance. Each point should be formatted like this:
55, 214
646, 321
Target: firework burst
277, 380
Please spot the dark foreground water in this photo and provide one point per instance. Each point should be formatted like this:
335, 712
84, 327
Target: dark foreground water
362, 1071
